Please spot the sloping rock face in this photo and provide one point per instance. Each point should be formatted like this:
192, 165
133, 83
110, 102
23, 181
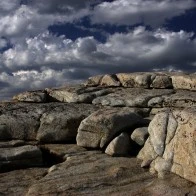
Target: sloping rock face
94, 173
173, 143
111, 135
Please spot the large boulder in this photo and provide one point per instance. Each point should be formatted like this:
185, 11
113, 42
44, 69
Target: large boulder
98, 129
173, 147
20, 121
61, 123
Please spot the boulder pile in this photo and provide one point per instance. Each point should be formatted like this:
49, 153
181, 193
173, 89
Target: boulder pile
110, 135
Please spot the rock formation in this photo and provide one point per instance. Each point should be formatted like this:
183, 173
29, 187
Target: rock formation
110, 135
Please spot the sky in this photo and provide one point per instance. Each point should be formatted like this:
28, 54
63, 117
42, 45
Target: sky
48, 43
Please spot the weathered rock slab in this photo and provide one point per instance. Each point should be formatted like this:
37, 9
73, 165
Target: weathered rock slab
61, 123
76, 94
98, 129
17, 182
18, 157
131, 97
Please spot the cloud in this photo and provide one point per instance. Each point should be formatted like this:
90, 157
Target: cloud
37, 58
21, 81
3, 43
8, 6
148, 12
138, 49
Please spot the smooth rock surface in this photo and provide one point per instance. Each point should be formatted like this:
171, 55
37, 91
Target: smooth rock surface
98, 129
140, 135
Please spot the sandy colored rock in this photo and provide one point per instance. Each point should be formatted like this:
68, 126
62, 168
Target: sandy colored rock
174, 142
162, 81
109, 80
93, 81
140, 135
135, 79
147, 154
31, 96
100, 128
184, 81
119, 146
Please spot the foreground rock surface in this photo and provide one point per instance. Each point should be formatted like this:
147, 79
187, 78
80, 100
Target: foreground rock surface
94, 173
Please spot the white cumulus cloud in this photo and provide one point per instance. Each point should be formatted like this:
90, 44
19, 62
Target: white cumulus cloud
149, 12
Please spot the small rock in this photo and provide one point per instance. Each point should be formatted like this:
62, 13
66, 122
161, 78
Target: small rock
134, 79
119, 146
93, 81
109, 80
140, 135
162, 81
